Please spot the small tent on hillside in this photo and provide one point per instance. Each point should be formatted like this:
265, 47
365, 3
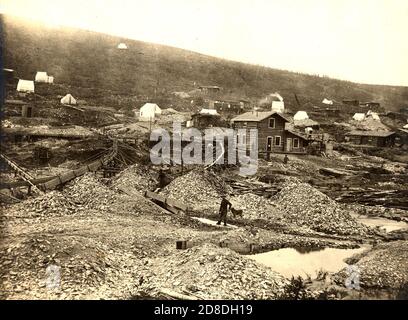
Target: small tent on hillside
209, 111
122, 46
300, 115
373, 115
359, 116
327, 101
25, 86
277, 102
406, 126
68, 99
41, 77
149, 112
278, 106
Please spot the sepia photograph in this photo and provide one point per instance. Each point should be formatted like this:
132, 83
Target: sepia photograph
206, 152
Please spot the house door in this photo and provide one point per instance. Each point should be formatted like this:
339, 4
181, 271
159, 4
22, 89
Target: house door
289, 144
269, 144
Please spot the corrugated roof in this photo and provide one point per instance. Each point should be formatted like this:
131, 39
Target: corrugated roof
370, 133
257, 116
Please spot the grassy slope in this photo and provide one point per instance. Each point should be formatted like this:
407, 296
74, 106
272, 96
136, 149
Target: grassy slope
88, 59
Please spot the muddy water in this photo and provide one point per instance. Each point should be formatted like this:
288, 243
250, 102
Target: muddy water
387, 224
291, 262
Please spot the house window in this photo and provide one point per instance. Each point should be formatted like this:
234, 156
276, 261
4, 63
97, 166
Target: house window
295, 142
272, 123
277, 141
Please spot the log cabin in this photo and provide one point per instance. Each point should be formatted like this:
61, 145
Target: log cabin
273, 134
373, 138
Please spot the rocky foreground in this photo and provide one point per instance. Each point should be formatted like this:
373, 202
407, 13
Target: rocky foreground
110, 244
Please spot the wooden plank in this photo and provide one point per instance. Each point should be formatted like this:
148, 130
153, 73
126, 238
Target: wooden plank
155, 196
176, 204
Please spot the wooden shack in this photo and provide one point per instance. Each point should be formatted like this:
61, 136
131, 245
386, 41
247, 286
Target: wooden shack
273, 137
372, 138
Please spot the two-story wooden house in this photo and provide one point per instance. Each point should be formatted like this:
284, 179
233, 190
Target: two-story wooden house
273, 136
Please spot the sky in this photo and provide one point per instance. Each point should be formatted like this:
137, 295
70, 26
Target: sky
357, 40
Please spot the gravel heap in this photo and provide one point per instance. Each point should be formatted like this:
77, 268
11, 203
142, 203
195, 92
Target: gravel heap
53, 203
199, 189
210, 272
87, 191
135, 177
253, 206
84, 194
299, 203
385, 266
84, 265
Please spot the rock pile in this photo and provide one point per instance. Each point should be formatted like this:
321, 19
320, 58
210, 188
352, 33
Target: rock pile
385, 266
253, 206
84, 194
87, 191
53, 203
210, 272
135, 177
82, 267
199, 189
301, 204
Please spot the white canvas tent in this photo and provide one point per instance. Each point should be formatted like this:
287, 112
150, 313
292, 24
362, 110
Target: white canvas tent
122, 46
278, 106
41, 77
209, 111
68, 99
327, 101
359, 116
373, 115
25, 86
300, 115
406, 126
149, 112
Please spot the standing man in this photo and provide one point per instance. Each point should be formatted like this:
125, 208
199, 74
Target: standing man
224, 207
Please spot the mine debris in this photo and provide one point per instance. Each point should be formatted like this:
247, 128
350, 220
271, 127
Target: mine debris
210, 272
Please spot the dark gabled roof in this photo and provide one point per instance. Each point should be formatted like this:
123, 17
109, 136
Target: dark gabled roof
370, 133
257, 116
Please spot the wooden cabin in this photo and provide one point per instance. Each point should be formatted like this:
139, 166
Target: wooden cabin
372, 138
273, 137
